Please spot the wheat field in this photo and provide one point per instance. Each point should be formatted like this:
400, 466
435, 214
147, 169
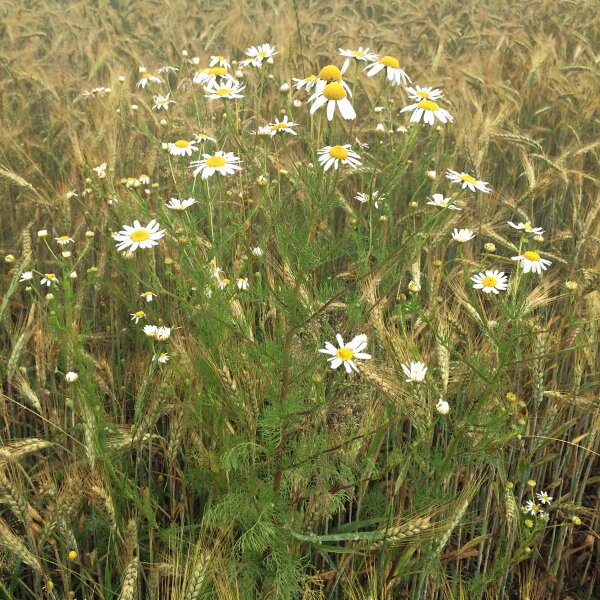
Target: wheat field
267, 332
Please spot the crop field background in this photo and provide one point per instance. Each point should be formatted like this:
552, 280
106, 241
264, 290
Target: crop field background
169, 426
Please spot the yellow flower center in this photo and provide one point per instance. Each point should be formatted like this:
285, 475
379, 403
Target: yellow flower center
358, 53
528, 227
330, 73
215, 161
423, 94
182, 144
225, 281
139, 314
224, 91
345, 353
277, 126
489, 281
467, 178
50, 276
139, 235
146, 294
217, 71
63, 238
531, 255
428, 105
390, 61
334, 91
338, 152
262, 54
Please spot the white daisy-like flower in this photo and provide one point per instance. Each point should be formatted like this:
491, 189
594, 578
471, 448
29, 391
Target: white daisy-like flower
26, 276
373, 198
100, 170
182, 148
163, 333
307, 83
331, 74
442, 407
257, 251
168, 69
532, 508
333, 94
423, 93
441, 202
544, 498
332, 156
258, 54
392, 67
137, 315
223, 282
362, 54
242, 283
224, 163
531, 261
283, 126
219, 61
490, 282
462, 235
346, 354
150, 330
227, 90
49, 279
71, 377
162, 102
63, 240
543, 516
201, 138
144, 178
177, 204
428, 110
148, 296
162, 358
415, 371
467, 181
139, 236
527, 228
213, 75
148, 78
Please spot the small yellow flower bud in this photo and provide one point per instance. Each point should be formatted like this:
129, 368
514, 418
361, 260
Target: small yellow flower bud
576, 520
531, 483
72, 555
489, 247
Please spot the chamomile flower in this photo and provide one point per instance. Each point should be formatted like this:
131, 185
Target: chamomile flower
227, 90
163, 333
283, 126
182, 148
331, 74
177, 204
168, 69
101, 170
490, 282
26, 276
441, 202
224, 163
346, 354
162, 358
63, 240
332, 156
148, 296
201, 138
423, 93
223, 282
212, 76
333, 94
462, 235
162, 102
258, 54
532, 508
150, 330
373, 198
392, 67
71, 377
442, 407
242, 283
138, 236
544, 498
429, 111
307, 83
137, 315
49, 279
414, 371
148, 78
362, 54
467, 181
527, 228
257, 251
531, 261
219, 61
